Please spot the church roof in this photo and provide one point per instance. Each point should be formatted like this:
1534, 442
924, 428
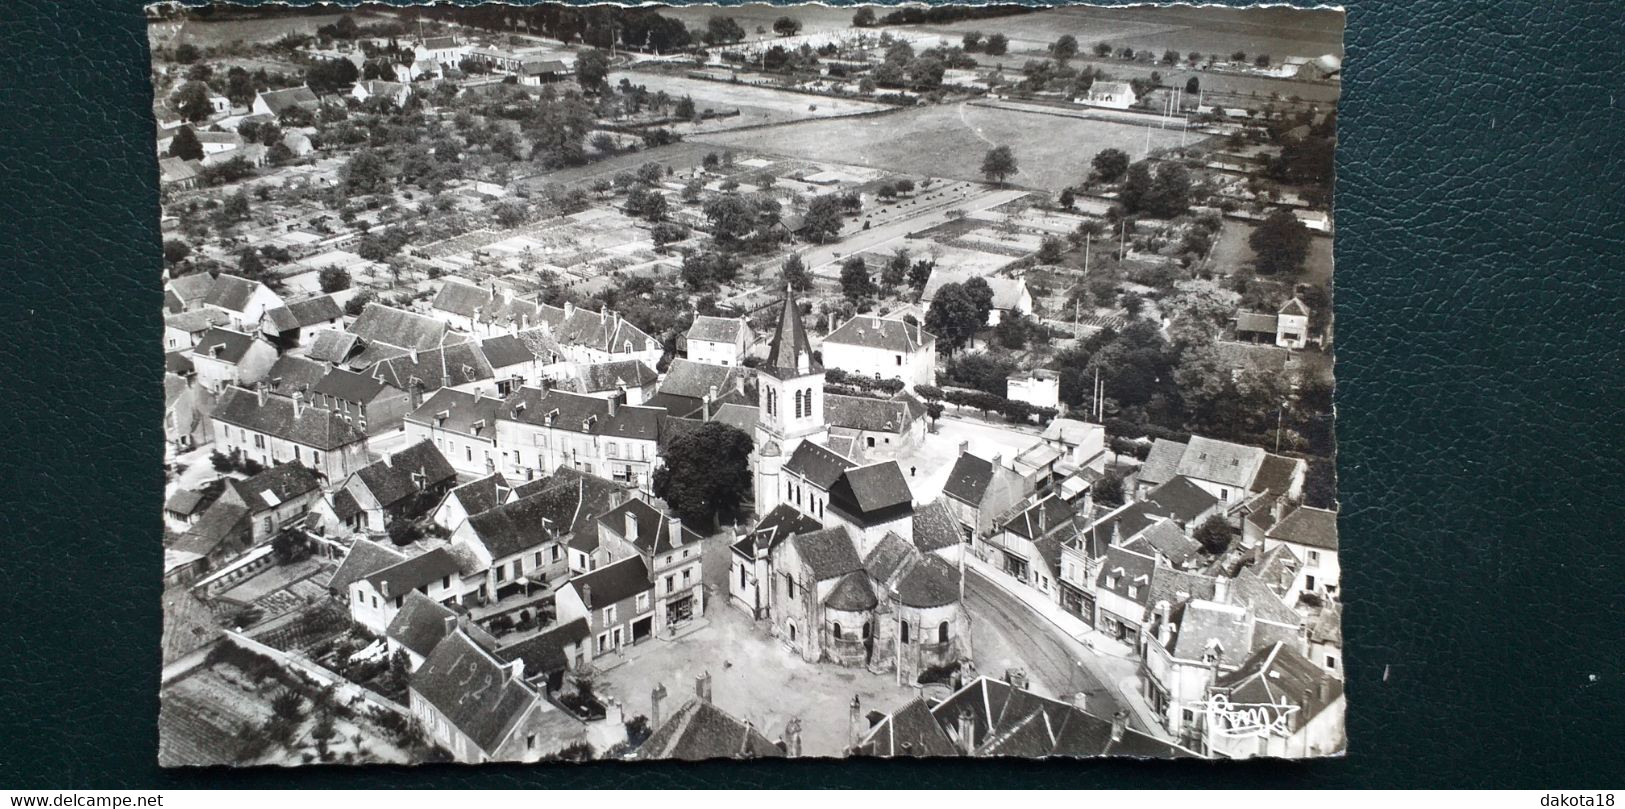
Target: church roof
789, 343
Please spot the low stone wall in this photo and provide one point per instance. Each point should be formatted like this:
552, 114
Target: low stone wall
344, 690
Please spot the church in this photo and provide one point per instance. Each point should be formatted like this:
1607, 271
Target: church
838, 568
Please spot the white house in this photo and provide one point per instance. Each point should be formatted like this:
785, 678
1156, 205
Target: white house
718, 340
274, 429
1118, 95
883, 349
1039, 388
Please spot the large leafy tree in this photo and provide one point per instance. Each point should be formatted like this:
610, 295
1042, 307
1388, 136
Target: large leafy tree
1281, 243
185, 145
823, 218
856, 283
1109, 165
999, 163
952, 317
592, 70
705, 476
192, 102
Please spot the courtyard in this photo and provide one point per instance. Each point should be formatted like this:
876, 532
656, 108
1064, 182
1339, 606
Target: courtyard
933, 458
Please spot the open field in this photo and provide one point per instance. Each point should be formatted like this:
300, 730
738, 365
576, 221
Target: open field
756, 105
1053, 151
1280, 32
209, 33
813, 18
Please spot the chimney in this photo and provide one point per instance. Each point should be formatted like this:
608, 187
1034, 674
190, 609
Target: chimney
1221, 589
676, 531
1080, 701
631, 525
998, 460
614, 402
1323, 689
259, 392
964, 447
298, 404
586, 596
1117, 532
569, 309
516, 669
739, 384
854, 730
656, 695
1017, 678
702, 686
831, 321
1165, 632
1119, 725
967, 732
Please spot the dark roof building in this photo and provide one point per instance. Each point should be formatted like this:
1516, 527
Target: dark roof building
281, 417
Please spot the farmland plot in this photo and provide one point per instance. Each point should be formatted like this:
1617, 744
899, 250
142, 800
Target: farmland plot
756, 105
1053, 151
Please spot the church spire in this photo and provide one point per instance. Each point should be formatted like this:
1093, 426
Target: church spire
791, 354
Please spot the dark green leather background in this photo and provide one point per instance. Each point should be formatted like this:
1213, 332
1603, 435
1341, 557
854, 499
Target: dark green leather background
1479, 305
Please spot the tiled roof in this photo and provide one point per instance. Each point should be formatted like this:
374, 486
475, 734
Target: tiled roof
179, 362
654, 534
504, 350
231, 292
930, 583
1255, 322
475, 692
421, 623
864, 413
969, 479
716, 329
349, 386
220, 521
406, 473
1009, 721
699, 731
382, 324
909, 731
852, 594
1276, 474
935, 527
828, 553
1171, 542
1184, 500
872, 489
418, 571
779, 523
890, 555
1218, 628
280, 101
365, 558
275, 486
1221, 461
526, 523
452, 366
459, 412
482, 494
332, 345
223, 344
1310, 527
820, 465
696, 379
738, 416
614, 583
603, 331
1162, 463
315, 427
307, 312
1127, 569
608, 376
293, 373
582, 414
868, 331
183, 502
191, 288
1041, 519
546, 653
196, 320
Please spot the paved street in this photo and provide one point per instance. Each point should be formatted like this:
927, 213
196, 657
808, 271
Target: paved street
1006, 634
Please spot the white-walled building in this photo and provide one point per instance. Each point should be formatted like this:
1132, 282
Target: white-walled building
883, 349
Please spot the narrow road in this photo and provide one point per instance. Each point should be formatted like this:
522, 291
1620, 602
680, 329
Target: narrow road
1051, 658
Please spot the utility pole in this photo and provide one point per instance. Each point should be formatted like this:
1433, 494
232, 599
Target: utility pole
1280, 413
1122, 246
